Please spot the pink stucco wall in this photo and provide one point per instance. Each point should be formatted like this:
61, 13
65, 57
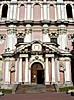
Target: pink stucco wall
37, 13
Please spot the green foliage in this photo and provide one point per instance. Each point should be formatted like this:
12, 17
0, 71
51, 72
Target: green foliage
64, 89
6, 91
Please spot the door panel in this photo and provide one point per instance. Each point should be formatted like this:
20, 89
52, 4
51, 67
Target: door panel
40, 76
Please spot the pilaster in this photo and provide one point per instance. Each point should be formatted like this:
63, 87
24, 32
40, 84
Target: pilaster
45, 33
62, 36
28, 32
11, 36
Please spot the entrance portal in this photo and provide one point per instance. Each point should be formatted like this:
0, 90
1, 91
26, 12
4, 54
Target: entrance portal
37, 73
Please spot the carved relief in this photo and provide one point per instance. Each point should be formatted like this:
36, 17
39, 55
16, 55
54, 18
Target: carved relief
2, 38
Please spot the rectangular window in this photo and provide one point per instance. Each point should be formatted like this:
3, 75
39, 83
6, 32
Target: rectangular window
53, 40
20, 40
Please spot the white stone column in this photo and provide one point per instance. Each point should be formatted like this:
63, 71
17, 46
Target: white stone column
45, 33
20, 70
58, 73
18, 12
29, 76
11, 12
65, 12
32, 12
63, 41
26, 71
8, 14
45, 12
73, 11
59, 12
53, 70
7, 73
28, 12
9, 44
1, 11
25, 12
46, 71
48, 14
28, 33
67, 71
11, 36
29, 0
15, 12
62, 12
60, 1
14, 0
16, 71
41, 12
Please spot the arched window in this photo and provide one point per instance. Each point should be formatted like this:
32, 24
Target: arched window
69, 11
37, 12
4, 10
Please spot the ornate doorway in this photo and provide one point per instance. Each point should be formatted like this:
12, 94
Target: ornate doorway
37, 73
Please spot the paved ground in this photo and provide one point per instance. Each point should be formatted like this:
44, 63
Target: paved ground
41, 96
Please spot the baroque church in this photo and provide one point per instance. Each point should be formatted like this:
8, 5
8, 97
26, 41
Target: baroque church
36, 42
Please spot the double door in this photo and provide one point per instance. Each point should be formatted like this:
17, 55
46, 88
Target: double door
37, 76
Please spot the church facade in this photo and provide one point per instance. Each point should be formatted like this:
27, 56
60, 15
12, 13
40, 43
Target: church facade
36, 41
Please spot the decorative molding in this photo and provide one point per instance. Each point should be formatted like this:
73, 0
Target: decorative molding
28, 30
2, 38
53, 34
20, 35
11, 29
45, 30
71, 36
62, 30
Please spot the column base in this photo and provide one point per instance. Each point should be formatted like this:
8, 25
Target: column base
68, 83
47, 83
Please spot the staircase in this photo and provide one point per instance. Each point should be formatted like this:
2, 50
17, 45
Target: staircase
35, 88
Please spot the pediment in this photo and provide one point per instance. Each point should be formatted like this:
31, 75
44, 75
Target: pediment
39, 47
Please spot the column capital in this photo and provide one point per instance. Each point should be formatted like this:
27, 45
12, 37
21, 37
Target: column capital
45, 29
28, 29
11, 29
49, 55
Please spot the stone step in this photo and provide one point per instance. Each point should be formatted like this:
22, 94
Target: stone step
35, 88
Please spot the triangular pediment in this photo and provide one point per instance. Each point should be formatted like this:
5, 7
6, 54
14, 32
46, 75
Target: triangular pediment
38, 46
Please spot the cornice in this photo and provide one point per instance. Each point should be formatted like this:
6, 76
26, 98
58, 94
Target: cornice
41, 22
